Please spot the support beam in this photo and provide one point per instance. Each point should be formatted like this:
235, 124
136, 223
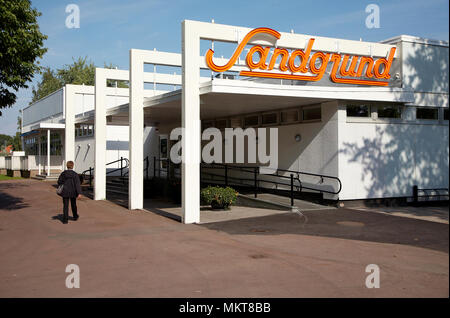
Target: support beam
100, 126
48, 153
100, 136
190, 112
136, 122
69, 136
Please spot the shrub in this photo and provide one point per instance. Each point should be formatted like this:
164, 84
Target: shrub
218, 197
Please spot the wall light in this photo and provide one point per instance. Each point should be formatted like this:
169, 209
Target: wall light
298, 137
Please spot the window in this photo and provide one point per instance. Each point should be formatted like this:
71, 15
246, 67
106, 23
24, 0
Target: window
289, 116
358, 111
389, 111
252, 120
312, 113
446, 114
427, 113
269, 119
221, 124
207, 124
235, 122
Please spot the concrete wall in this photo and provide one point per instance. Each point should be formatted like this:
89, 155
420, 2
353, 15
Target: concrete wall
379, 160
425, 67
317, 152
116, 145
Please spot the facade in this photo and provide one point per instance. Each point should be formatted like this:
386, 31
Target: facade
373, 115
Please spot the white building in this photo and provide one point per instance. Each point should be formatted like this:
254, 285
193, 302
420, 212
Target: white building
373, 115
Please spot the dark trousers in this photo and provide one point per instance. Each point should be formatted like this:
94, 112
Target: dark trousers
73, 204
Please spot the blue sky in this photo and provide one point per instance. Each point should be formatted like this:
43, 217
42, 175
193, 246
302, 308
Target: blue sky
109, 28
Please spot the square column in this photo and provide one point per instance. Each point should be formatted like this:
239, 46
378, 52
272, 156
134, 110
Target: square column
100, 136
190, 113
136, 122
39, 152
48, 152
69, 133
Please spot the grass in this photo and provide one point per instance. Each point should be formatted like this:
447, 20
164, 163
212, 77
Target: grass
2, 177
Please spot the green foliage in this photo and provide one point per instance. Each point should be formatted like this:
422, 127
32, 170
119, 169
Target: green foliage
5, 140
21, 44
218, 196
113, 83
81, 71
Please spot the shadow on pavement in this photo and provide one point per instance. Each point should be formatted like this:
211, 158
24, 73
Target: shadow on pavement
345, 224
9, 202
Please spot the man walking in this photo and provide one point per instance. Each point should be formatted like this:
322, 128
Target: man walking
71, 191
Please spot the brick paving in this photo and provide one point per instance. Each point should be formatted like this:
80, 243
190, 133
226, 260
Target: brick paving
124, 253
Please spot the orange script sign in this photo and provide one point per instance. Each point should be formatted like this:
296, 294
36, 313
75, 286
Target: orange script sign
340, 72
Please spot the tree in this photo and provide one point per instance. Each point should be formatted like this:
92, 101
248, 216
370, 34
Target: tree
5, 141
48, 84
17, 140
81, 71
21, 44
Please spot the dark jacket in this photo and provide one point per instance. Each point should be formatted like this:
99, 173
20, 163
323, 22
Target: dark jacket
71, 183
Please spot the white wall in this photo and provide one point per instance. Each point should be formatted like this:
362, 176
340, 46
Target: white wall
379, 160
116, 147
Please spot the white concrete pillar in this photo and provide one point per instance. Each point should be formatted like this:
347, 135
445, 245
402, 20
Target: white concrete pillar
63, 163
100, 136
136, 122
39, 152
48, 152
190, 112
69, 133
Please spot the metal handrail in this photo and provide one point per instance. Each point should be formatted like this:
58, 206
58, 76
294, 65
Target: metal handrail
300, 186
438, 194
91, 169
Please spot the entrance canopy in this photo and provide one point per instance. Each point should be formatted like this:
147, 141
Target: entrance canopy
228, 97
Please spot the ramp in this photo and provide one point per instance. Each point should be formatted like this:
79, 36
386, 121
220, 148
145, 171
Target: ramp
278, 202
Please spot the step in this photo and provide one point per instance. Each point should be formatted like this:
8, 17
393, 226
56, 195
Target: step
44, 177
117, 191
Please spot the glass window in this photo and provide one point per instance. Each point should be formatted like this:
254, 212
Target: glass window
221, 124
427, 113
269, 119
252, 120
289, 116
236, 122
312, 113
163, 148
358, 111
446, 114
207, 124
389, 111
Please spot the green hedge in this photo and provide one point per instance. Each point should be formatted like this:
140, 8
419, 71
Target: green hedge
218, 197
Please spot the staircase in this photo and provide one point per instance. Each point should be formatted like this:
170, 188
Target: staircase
117, 185
44, 177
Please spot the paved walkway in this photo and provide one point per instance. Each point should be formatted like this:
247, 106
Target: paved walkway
142, 254
428, 213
